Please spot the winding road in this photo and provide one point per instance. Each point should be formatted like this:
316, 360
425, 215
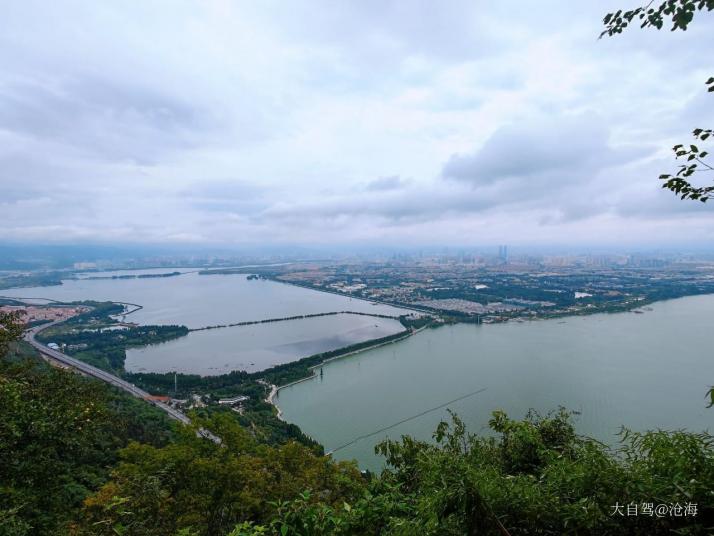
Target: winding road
94, 372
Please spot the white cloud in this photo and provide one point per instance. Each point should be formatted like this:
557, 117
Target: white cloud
395, 121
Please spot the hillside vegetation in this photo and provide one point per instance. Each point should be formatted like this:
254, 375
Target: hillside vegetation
84, 460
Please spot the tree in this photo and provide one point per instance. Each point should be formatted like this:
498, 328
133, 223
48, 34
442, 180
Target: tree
59, 435
532, 476
10, 330
680, 13
56, 437
195, 485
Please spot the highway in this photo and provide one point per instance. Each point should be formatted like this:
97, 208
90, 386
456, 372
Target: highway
104, 376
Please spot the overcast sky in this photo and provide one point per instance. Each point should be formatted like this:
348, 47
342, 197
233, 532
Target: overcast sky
325, 122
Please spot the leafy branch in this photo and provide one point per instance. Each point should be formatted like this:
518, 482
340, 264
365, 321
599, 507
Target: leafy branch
678, 183
680, 12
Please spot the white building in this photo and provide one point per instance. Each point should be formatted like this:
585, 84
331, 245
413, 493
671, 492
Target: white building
235, 400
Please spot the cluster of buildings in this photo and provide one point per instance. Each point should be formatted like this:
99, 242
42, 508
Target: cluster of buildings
505, 286
195, 401
468, 307
42, 313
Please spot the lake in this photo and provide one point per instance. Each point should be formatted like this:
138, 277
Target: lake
644, 371
257, 346
197, 301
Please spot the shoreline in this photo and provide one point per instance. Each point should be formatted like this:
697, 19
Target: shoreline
127, 312
368, 300
271, 398
291, 318
629, 308
275, 389
641, 308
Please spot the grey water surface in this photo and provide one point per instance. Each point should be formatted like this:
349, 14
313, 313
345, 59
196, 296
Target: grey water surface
198, 301
257, 346
195, 300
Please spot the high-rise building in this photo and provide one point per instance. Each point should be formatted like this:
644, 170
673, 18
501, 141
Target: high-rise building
503, 253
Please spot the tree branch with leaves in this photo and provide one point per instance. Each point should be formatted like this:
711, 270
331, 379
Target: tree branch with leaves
680, 13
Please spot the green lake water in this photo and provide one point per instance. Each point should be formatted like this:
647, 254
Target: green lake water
644, 371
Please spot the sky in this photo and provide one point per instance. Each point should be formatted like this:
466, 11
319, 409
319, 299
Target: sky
345, 122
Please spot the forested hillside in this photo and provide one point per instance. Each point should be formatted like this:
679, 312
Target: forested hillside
81, 459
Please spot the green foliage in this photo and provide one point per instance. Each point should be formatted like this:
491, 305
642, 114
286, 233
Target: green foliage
248, 528
539, 477
418, 322
106, 349
695, 158
259, 416
58, 436
99, 312
10, 330
382, 509
195, 484
20, 351
535, 476
135, 276
33, 279
51, 444
59, 433
679, 12
228, 384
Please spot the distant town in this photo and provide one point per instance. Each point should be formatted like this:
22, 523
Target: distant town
459, 286
31, 314
501, 287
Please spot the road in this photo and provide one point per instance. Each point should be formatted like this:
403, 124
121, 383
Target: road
94, 372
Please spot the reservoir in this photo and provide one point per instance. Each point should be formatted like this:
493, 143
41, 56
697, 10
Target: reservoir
644, 371
257, 346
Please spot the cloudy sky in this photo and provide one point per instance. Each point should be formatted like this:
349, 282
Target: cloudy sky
325, 122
